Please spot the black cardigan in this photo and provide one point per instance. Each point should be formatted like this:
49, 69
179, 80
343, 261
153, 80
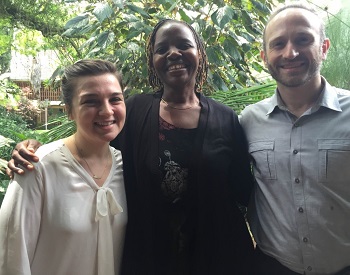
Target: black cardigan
222, 178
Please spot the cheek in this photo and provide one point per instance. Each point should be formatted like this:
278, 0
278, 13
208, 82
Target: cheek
120, 113
157, 64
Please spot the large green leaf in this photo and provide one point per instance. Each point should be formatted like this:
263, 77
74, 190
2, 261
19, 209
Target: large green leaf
105, 39
102, 11
222, 16
231, 49
138, 10
77, 22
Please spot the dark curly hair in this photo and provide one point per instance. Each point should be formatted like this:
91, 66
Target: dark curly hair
202, 71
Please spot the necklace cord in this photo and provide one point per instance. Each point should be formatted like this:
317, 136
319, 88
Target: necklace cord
177, 108
81, 157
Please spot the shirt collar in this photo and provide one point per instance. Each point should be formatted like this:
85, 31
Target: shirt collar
328, 99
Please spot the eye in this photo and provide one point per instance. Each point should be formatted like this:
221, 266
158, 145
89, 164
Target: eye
277, 45
185, 46
90, 102
116, 99
160, 50
304, 40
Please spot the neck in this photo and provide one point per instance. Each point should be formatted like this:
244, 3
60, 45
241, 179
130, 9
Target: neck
88, 148
299, 99
179, 94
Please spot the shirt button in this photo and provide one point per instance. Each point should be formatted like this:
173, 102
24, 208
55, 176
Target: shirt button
296, 125
309, 268
297, 180
301, 210
295, 152
305, 240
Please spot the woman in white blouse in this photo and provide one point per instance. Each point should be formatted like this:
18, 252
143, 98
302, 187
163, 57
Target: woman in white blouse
71, 218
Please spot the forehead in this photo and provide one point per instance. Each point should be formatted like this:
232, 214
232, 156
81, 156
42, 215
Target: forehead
293, 21
97, 82
174, 31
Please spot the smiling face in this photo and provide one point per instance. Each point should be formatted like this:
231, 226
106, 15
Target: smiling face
293, 48
98, 107
176, 56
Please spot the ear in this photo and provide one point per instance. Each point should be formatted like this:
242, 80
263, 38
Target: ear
263, 57
325, 47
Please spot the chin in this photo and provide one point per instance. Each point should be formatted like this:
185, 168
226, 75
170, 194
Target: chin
112, 135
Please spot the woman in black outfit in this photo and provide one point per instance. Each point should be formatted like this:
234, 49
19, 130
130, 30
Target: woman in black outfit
186, 168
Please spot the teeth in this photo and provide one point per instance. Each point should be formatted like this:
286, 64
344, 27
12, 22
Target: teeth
176, 67
290, 66
104, 123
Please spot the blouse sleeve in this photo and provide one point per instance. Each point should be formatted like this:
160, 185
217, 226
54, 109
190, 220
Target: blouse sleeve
20, 216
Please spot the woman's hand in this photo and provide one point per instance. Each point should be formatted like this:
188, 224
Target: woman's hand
23, 155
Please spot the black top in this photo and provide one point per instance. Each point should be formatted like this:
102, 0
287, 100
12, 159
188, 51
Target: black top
218, 178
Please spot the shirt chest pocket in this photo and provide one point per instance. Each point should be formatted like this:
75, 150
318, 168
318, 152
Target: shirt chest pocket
264, 159
334, 160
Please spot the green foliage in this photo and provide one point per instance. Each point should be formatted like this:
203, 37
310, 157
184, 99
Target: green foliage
4, 142
29, 42
336, 68
13, 129
63, 129
45, 16
9, 94
239, 99
28, 111
117, 31
5, 44
13, 126
4, 180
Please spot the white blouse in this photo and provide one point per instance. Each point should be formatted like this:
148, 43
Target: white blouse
57, 220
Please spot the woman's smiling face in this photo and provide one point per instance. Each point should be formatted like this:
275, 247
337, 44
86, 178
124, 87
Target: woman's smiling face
98, 107
176, 57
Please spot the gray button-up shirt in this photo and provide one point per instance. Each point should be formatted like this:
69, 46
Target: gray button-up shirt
300, 211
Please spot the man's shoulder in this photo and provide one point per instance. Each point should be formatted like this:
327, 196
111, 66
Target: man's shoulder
342, 92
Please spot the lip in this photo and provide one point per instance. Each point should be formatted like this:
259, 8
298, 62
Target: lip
175, 67
104, 123
292, 65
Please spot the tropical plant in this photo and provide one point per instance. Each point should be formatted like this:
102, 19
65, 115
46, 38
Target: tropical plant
239, 99
13, 129
4, 142
9, 94
117, 31
336, 67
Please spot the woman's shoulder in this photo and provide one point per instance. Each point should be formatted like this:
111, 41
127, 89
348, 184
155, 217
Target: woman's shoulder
49, 148
116, 153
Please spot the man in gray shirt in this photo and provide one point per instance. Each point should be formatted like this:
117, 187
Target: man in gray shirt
299, 140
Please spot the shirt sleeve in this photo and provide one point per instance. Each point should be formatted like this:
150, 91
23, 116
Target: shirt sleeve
20, 217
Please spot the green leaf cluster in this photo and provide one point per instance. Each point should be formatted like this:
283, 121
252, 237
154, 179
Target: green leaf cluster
239, 99
13, 129
117, 31
336, 68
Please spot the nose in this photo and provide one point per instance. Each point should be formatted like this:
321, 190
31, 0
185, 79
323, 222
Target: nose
106, 109
290, 51
173, 53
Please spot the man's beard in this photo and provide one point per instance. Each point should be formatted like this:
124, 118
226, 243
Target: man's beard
298, 79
